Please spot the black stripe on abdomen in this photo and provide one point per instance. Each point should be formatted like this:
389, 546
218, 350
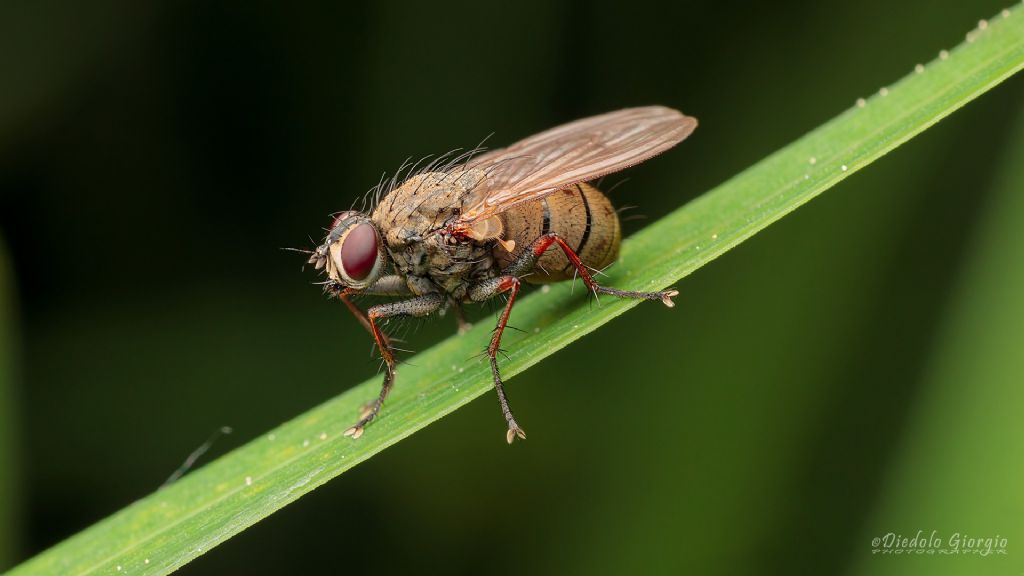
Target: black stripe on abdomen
547, 217
586, 230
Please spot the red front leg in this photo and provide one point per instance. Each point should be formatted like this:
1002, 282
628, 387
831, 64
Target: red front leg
419, 306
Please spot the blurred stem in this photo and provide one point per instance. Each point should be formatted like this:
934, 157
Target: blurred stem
959, 468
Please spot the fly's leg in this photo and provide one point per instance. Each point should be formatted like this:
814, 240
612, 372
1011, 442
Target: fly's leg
363, 320
387, 286
483, 291
528, 259
509, 282
419, 306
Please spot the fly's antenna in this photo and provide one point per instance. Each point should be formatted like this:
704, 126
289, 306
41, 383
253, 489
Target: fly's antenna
302, 250
310, 253
195, 455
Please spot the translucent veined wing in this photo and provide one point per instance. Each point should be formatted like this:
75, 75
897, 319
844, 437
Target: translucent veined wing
576, 152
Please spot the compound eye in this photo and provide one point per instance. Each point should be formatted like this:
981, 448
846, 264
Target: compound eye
359, 251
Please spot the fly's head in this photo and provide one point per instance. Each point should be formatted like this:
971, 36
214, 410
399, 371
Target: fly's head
353, 253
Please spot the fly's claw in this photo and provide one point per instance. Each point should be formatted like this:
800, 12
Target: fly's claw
667, 296
367, 413
513, 431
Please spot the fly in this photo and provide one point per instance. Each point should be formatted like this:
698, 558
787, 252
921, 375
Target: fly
471, 231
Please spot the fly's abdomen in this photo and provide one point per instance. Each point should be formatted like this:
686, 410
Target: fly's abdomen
581, 215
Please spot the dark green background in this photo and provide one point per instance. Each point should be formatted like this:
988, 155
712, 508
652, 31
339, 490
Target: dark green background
155, 156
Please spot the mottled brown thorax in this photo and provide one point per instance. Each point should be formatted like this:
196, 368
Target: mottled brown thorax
409, 218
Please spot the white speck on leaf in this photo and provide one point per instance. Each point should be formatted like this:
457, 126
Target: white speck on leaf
843, 168
545, 289
861, 102
919, 68
271, 437
248, 480
323, 435
883, 91
943, 54
812, 160
305, 443
982, 24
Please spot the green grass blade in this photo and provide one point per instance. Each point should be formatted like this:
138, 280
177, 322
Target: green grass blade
171, 527
957, 470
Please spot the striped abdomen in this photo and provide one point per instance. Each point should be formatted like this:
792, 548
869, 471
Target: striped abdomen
581, 215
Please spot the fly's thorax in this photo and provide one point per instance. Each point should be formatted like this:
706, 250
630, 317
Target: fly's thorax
581, 215
425, 203
410, 218
431, 264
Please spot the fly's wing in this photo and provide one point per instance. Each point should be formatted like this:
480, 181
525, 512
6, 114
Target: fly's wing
576, 152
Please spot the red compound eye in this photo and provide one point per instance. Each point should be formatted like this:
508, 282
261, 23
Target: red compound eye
359, 251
